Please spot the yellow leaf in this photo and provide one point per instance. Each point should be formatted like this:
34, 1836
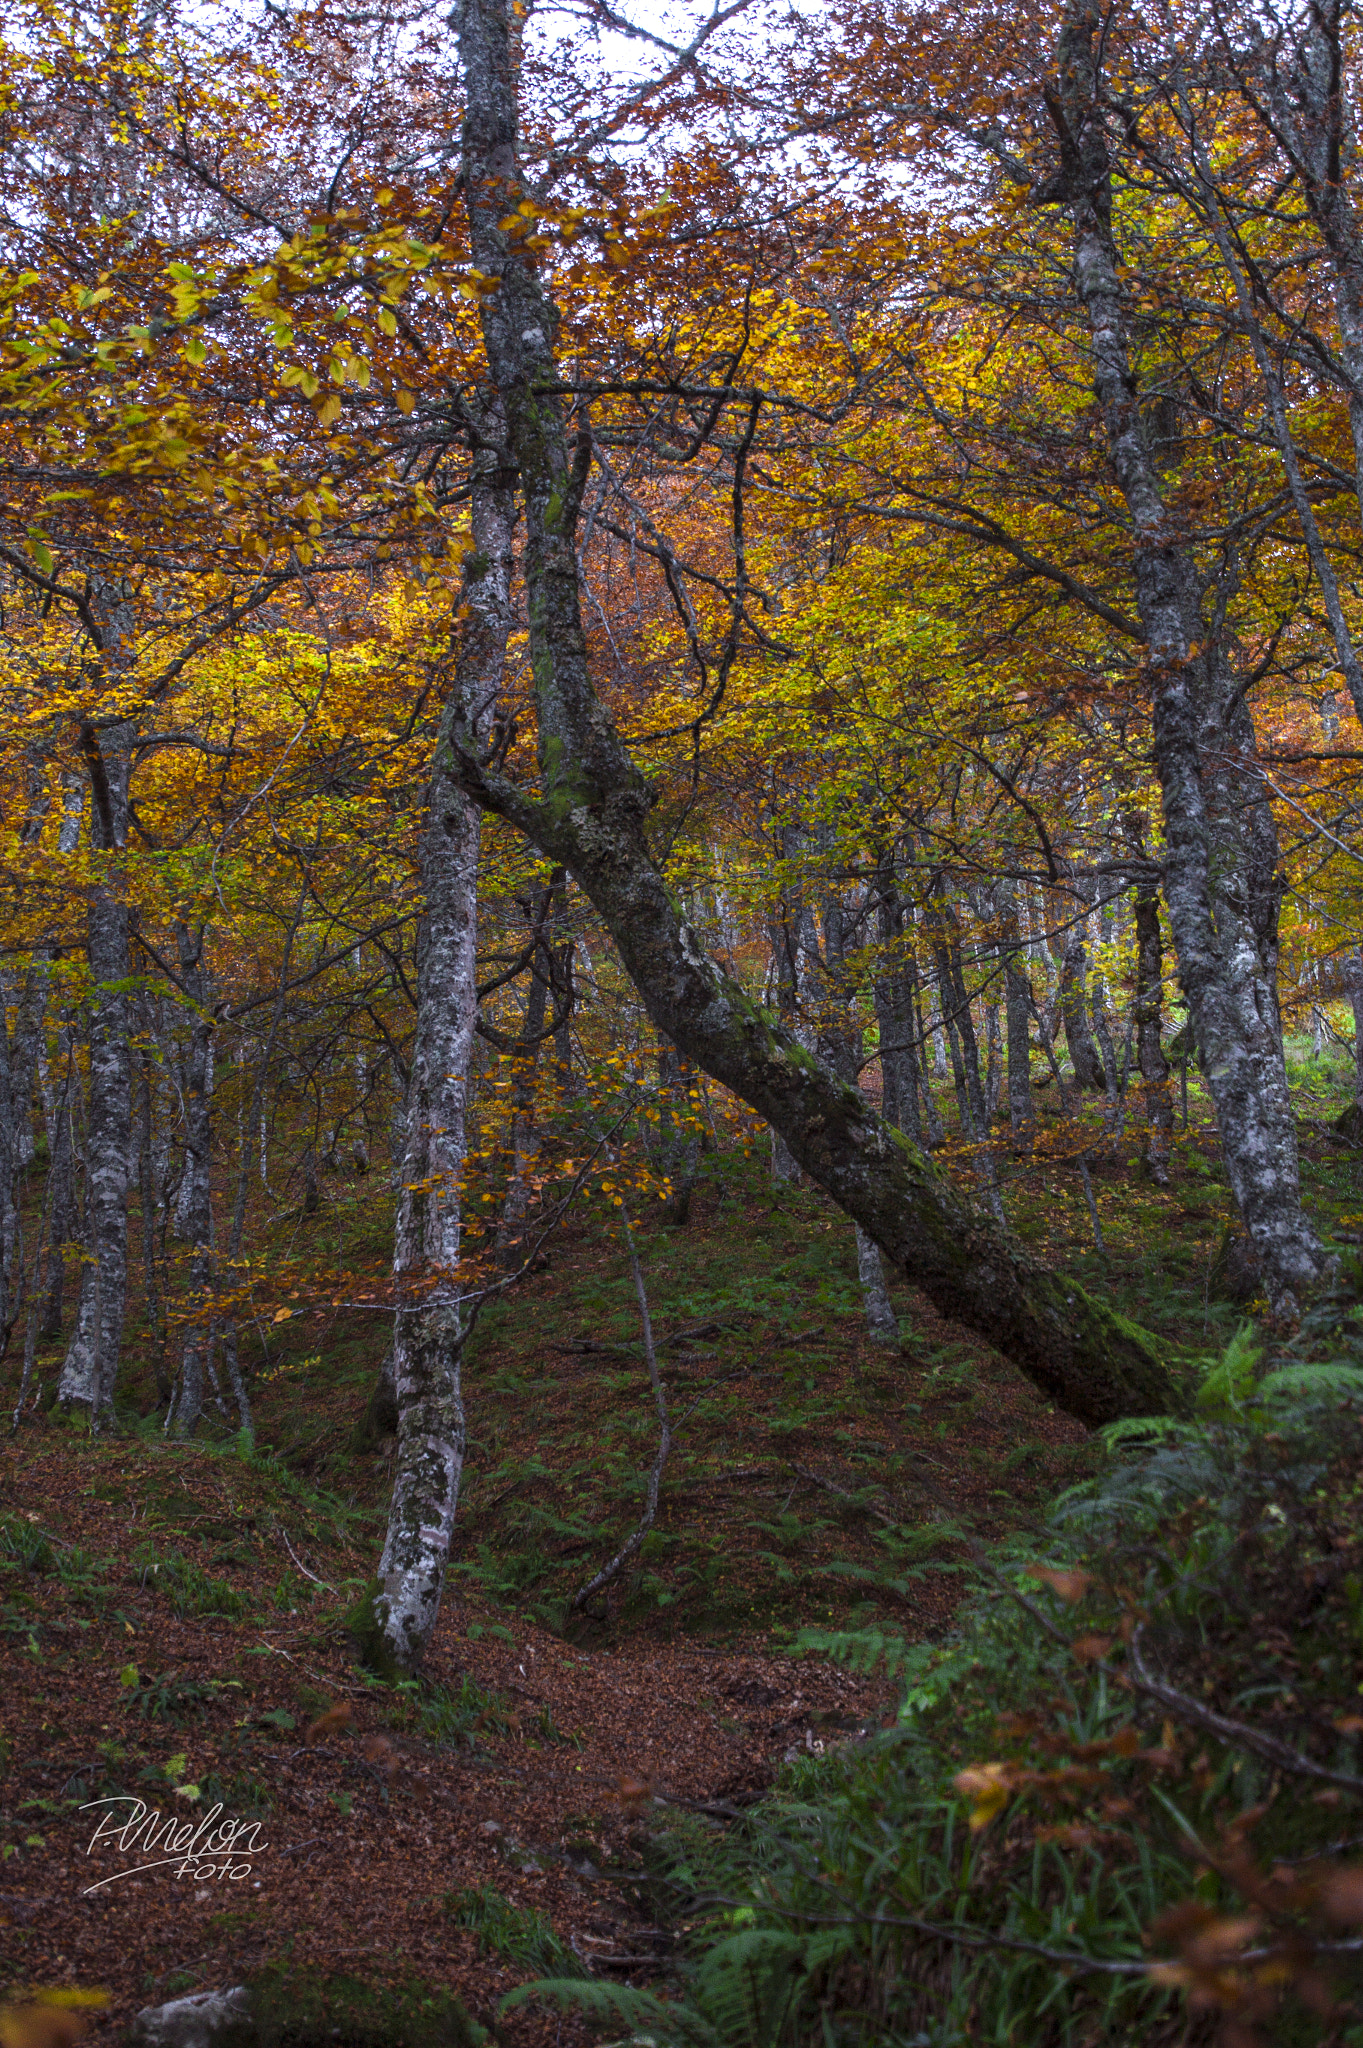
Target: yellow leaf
406, 404
330, 411
989, 1788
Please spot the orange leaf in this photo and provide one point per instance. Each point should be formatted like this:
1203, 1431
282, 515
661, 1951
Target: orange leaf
1067, 1586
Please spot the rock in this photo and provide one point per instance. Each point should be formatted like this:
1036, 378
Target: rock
202, 2020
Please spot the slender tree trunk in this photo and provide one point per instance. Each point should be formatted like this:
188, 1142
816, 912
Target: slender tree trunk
1088, 1068
900, 1081
151, 1279
11, 1288
591, 810
1157, 1136
1220, 883
91, 1365
196, 1205
429, 1332
678, 1142
1017, 1008
881, 1320
525, 1066
61, 1171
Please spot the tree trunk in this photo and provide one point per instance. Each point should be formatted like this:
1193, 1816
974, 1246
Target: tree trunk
900, 1081
91, 1365
151, 1279
1220, 884
428, 1334
525, 1065
61, 1167
591, 813
1017, 1007
194, 1204
11, 1258
677, 1144
1088, 1068
1157, 1136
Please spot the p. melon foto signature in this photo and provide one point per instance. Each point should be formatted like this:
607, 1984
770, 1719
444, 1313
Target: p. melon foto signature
211, 1848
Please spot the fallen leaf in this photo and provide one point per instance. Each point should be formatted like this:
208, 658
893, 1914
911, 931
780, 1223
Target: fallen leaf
338, 1716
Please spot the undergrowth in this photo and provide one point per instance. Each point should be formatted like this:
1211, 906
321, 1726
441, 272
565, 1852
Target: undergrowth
1119, 1795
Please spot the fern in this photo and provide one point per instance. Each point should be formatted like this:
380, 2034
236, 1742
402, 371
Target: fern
863, 1650
1290, 1380
1138, 1431
1226, 1391
744, 1986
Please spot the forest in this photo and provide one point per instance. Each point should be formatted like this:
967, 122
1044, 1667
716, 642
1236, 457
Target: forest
681, 1023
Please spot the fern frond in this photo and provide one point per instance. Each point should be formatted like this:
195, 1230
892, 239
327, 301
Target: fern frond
863, 1650
1310, 1379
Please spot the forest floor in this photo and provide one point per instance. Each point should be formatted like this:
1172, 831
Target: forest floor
173, 1618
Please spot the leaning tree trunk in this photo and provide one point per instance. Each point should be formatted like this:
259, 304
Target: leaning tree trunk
428, 1334
1219, 868
591, 814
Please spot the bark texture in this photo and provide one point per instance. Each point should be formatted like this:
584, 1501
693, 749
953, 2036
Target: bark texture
1220, 866
91, 1364
428, 1334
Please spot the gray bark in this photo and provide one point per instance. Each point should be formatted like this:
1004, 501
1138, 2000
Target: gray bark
194, 1208
900, 1078
1148, 1012
91, 1365
1219, 872
1088, 1068
61, 1172
881, 1320
428, 1332
1017, 1007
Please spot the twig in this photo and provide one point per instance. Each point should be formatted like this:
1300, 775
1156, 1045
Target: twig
1191, 1711
284, 1536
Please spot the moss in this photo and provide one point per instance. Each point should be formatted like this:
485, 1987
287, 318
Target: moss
367, 1633
293, 2008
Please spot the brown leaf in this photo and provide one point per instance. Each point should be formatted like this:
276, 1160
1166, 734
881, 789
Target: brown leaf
633, 1791
1091, 1649
380, 1753
1341, 1895
339, 1716
1067, 1586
